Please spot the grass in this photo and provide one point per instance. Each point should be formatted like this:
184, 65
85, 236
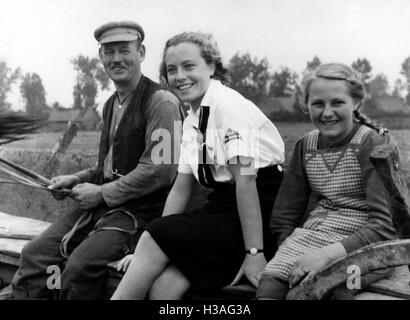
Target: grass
86, 142
23, 201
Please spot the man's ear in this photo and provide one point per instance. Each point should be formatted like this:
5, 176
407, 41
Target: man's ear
100, 52
141, 51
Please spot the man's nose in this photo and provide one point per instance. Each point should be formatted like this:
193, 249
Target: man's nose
117, 56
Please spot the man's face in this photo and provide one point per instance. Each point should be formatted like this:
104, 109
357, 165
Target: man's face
122, 60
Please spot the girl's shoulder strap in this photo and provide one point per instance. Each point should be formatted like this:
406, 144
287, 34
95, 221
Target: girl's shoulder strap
311, 139
361, 135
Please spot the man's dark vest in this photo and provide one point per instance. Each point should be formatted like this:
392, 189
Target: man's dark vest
129, 139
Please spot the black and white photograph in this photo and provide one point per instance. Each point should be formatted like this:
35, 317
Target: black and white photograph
182, 151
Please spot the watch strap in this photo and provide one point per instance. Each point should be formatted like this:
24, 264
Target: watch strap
254, 252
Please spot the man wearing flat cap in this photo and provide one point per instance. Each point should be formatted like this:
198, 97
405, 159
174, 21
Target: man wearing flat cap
123, 192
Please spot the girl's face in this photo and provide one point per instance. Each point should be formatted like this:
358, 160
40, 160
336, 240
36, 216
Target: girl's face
331, 109
188, 73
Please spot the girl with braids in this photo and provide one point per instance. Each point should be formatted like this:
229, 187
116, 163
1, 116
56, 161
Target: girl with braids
332, 162
228, 146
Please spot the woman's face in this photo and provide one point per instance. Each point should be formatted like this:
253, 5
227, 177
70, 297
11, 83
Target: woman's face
188, 73
331, 109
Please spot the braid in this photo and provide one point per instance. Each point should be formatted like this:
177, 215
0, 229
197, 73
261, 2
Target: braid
365, 120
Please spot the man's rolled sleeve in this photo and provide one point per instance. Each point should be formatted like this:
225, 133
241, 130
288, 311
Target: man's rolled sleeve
89, 175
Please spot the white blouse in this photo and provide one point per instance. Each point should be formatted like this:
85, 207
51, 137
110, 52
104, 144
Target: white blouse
236, 127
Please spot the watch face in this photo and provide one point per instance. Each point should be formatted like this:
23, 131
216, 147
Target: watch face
253, 251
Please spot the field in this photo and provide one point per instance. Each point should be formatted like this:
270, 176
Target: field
34, 153
86, 143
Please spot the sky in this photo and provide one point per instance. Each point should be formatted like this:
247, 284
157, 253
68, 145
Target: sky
42, 36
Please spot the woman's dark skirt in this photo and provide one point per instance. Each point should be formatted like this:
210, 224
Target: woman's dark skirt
207, 245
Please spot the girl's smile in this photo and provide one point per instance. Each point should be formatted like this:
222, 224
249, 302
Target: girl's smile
331, 108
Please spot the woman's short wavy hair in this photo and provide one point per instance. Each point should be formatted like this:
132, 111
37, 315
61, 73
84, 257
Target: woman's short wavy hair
209, 51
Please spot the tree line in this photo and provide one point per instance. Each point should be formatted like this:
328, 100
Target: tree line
90, 77
251, 76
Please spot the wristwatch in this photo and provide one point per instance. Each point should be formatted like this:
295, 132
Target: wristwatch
254, 251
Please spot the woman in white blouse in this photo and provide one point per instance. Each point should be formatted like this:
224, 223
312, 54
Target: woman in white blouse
229, 146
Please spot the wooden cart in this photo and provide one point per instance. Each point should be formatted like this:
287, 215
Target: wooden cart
372, 262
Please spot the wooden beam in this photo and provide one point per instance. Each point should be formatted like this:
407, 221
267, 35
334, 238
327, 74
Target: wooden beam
385, 159
6, 293
6, 258
14, 227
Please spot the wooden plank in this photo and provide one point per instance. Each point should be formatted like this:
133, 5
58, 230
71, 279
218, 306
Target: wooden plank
12, 247
15, 227
392, 288
9, 260
6, 293
374, 296
396, 285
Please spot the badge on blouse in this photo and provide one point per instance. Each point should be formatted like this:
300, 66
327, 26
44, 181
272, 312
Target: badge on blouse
231, 135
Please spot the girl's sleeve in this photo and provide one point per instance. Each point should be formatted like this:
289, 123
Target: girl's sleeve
379, 226
292, 199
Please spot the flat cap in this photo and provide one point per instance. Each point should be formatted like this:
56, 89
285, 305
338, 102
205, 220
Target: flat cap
119, 31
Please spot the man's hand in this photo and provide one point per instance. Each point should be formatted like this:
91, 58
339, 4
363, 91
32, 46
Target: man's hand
252, 267
65, 181
89, 195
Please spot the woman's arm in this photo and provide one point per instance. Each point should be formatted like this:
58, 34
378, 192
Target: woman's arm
251, 220
180, 194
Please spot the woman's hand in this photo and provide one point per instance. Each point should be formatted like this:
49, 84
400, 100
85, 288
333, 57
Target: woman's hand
124, 263
252, 267
307, 266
